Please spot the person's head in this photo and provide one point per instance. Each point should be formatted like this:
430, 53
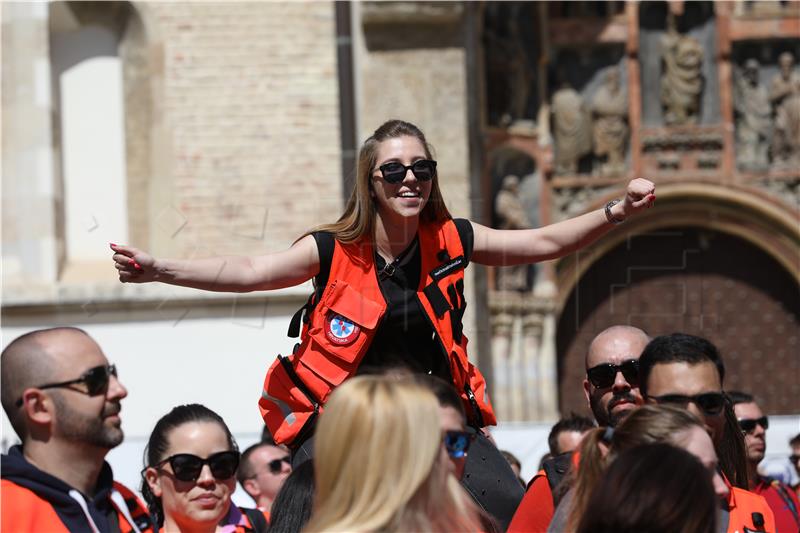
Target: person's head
753, 423
566, 434
262, 471
395, 141
647, 425
380, 461
292, 506
612, 383
641, 492
750, 71
786, 62
190, 468
688, 372
59, 389
794, 444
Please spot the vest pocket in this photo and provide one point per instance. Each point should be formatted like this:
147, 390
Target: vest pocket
285, 408
340, 333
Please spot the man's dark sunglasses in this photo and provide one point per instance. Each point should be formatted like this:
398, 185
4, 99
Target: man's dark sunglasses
457, 443
603, 376
276, 465
794, 458
749, 424
395, 172
96, 380
187, 467
711, 403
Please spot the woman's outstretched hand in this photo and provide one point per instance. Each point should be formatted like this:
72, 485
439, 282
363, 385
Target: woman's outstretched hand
640, 195
134, 265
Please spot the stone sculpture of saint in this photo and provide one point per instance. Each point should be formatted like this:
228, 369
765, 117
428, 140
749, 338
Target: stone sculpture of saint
784, 93
681, 77
609, 124
511, 215
753, 118
571, 128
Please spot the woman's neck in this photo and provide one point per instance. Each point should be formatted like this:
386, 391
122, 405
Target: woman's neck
394, 236
171, 525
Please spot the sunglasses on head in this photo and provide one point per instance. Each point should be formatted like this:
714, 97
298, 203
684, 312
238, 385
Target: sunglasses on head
395, 172
749, 424
187, 467
276, 465
457, 443
711, 403
96, 380
603, 375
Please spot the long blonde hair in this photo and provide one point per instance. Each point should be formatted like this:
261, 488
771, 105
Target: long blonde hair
379, 463
646, 425
359, 215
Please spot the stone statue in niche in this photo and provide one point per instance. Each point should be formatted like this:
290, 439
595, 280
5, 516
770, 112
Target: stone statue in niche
784, 92
511, 215
571, 129
753, 118
681, 77
609, 123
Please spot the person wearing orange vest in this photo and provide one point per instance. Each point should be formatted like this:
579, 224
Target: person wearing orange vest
63, 400
780, 497
395, 211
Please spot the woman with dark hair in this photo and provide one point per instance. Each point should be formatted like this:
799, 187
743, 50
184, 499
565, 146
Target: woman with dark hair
389, 274
292, 506
189, 475
656, 488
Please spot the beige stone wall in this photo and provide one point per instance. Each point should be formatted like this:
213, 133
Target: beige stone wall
249, 125
232, 135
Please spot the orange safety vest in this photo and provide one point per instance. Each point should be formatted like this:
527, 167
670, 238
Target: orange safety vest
342, 323
744, 506
25, 511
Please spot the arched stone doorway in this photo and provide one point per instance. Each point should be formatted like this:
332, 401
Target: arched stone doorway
695, 280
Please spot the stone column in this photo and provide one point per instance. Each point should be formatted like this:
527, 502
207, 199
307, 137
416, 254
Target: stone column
502, 323
531, 343
30, 195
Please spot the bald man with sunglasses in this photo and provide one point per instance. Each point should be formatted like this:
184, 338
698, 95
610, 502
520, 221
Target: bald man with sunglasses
63, 399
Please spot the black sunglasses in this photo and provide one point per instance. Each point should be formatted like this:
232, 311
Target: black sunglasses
457, 443
711, 403
749, 424
603, 375
276, 465
794, 458
96, 380
395, 172
187, 467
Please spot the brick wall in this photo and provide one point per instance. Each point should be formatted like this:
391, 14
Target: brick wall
248, 117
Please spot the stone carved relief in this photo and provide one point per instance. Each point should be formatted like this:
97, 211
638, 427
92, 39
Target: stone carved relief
610, 125
681, 76
753, 118
784, 93
573, 201
788, 191
511, 214
571, 129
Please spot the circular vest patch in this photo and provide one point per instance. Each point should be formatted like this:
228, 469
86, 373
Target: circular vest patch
340, 330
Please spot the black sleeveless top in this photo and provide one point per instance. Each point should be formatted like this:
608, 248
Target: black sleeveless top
405, 337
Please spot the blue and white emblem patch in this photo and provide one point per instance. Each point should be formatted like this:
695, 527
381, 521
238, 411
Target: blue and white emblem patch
340, 330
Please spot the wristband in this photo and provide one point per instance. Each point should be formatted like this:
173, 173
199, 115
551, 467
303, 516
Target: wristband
609, 216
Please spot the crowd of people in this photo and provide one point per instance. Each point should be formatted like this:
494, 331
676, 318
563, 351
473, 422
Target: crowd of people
378, 421
392, 450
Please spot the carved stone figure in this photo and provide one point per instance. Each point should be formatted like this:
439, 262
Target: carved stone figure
609, 114
571, 128
784, 92
681, 79
511, 215
753, 118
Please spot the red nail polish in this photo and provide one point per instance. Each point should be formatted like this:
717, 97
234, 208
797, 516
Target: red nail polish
112, 245
137, 266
